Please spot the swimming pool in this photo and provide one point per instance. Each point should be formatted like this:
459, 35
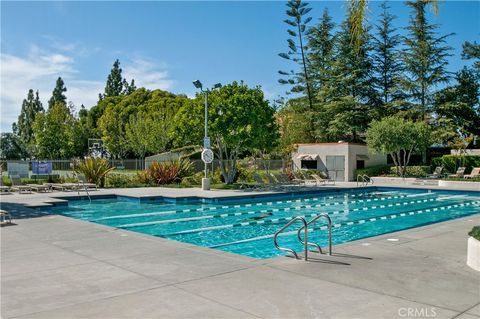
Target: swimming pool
232, 224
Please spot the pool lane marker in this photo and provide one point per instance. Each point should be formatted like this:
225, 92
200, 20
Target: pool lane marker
349, 223
272, 210
258, 204
191, 210
286, 219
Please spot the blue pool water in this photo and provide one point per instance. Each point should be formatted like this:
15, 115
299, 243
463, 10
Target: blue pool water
228, 224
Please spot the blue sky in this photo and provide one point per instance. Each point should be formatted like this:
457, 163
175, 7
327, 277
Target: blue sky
167, 45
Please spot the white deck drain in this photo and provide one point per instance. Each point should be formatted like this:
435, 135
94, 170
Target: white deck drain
392, 239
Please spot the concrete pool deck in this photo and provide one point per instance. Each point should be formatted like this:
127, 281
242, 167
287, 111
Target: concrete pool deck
57, 267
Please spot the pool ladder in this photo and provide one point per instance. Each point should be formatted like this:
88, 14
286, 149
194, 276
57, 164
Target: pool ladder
305, 241
81, 179
364, 179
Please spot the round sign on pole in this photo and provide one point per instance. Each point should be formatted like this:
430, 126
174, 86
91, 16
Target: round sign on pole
207, 156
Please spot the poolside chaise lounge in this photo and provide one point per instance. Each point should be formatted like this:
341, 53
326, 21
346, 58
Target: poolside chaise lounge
17, 184
64, 186
299, 175
259, 182
3, 188
5, 217
437, 173
39, 188
321, 179
459, 174
327, 178
284, 179
474, 173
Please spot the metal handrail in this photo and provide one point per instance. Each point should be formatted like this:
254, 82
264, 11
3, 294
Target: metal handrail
305, 244
329, 233
84, 187
365, 179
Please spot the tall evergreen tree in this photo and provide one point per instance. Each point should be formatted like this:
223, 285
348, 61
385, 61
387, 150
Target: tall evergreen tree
31, 106
425, 59
128, 88
349, 92
58, 95
114, 86
471, 51
299, 80
321, 43
388, 66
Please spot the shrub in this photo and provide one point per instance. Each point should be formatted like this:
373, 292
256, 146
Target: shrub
377, 170
450, 163
475, 232
193, 180
185, 167
166, 172
413, 171
120, 180
95, 170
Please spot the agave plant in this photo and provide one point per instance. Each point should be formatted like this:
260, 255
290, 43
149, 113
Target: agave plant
94, 169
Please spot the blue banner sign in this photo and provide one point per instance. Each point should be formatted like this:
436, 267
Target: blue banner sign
42, 168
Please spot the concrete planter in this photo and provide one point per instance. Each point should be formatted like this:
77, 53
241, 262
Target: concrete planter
473, 253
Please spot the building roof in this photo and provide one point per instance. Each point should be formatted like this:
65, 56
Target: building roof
331, 143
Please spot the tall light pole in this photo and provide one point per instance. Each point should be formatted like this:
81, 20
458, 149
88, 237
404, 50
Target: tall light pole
207, 154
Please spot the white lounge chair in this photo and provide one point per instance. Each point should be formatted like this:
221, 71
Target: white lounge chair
17, 185
473, 174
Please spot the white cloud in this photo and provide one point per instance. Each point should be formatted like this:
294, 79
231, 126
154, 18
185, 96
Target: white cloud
40, 68
39, 71
147, 74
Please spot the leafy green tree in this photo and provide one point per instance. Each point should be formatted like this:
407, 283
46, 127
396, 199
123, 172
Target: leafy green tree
292, 125
145, 133
12, 147
387, 63
58, 95
425, 59
299, 81
31, 106
123, 114
399, 138
55, 133
240, 120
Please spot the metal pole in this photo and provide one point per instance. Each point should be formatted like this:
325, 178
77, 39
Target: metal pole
206, 128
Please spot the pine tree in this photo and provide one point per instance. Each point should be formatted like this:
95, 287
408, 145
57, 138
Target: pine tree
321, 43
299, 81
114, 86
128, 88
57, 94
425, 59
349, 93
387, 64
31, 106
471, 50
